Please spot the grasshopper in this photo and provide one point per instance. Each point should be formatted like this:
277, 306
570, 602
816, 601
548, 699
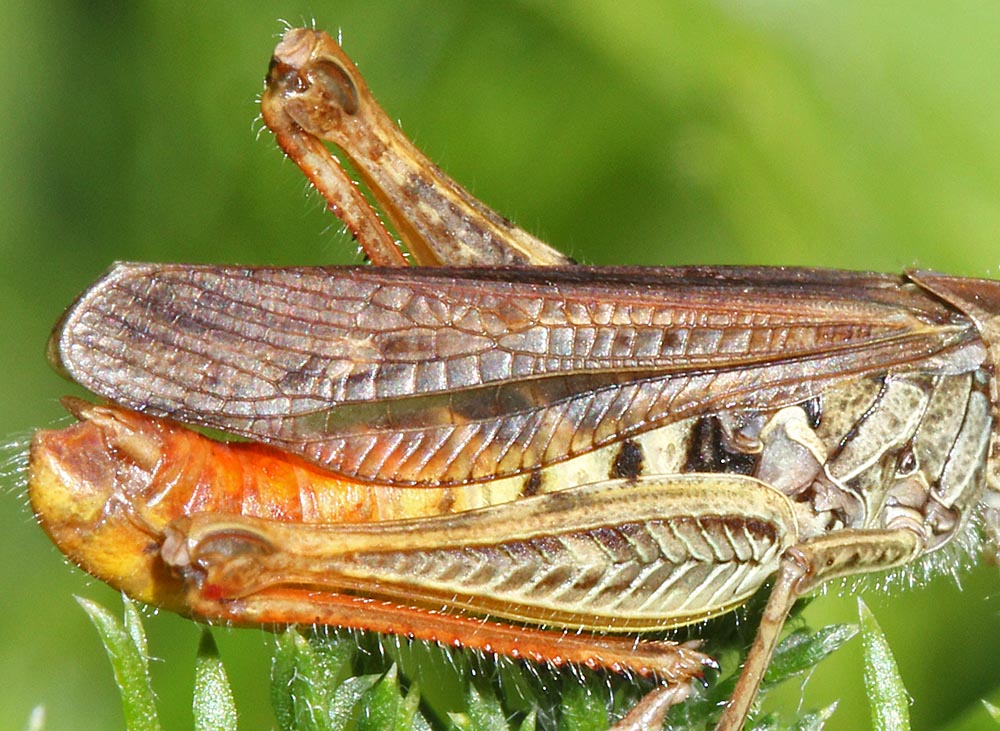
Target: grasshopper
579, 454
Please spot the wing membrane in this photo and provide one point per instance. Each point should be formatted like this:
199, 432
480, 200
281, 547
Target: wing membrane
438, 376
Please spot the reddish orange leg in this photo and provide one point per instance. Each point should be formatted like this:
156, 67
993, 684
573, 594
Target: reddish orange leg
671, 662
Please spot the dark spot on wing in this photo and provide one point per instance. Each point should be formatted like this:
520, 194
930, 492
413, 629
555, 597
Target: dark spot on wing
533, 484
709, 452
446, 502
628, 461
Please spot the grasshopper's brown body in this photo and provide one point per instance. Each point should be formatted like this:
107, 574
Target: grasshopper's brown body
607, 450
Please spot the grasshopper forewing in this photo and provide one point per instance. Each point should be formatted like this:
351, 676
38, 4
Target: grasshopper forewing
606, 450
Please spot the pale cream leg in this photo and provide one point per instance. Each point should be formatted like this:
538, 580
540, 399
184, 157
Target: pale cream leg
803, 568
650, 712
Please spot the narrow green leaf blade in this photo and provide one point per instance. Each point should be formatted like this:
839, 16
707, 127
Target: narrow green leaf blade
483, 713
582, 707
803, 650
992, 710
887, 696
282, 678
299, 691
36, 720
411, 719
347, 696
214, 706
132, 620
815, 721
384, 706
130, 665
770, 722
529, 722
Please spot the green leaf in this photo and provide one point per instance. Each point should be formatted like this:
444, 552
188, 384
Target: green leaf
418, 723
133, 625
529, 722
283, 663
126, 648
992, 710
312, 687
583, 707
770, 722
305, 675
214, 707
307, 696
386, 709
803, 650
888, 698
36, 719
815, 721
484, 713
346, 699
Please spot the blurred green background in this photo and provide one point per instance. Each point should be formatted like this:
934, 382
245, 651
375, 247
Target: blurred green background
847, 134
